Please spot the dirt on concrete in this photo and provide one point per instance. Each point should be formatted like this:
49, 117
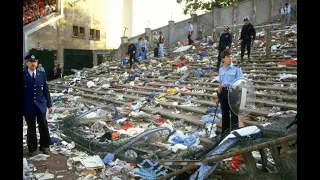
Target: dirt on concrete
55, 164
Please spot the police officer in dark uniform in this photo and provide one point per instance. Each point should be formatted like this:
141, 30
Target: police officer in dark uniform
132, 50
36, 100
227, 74
224, 43
248, 35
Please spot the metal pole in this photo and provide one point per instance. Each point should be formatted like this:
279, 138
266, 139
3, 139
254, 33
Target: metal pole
225, 156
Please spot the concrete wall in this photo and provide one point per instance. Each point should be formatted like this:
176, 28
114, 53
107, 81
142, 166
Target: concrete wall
87, 14
245, 9
265, 10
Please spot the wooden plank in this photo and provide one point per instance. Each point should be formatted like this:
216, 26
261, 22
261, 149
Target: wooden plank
250, 162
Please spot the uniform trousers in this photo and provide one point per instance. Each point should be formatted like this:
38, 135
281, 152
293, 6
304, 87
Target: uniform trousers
226, 113
43, 130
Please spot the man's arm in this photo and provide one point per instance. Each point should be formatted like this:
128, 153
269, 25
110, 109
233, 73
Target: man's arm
230, 40
46, 92
241, 34
239, 73
253, 33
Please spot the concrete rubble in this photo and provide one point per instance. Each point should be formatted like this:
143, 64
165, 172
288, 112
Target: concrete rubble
177, 93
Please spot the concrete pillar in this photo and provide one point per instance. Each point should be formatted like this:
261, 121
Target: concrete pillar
254, 18
270, 10
124, 46
194, 21
148, 34
95, 58
216, 22
25, 45
268, 44
171, 33
235, 14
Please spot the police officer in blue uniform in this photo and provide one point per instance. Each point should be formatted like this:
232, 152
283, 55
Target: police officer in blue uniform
224, 43
36, 100
248, 35
227, 74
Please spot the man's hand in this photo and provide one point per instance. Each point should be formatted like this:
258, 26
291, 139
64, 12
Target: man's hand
240, 41
50, 110
134, 51
217, 101
227, 48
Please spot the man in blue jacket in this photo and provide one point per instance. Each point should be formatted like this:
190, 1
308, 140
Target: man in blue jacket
36, 100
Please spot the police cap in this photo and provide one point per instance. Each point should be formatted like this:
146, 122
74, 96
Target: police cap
246, 18
31, 57
226, 27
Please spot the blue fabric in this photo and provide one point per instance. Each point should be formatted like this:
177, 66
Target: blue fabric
209, 119
152, 95
116, 116
35, 93
108, 158
204, 53
229, 74
54, 140
186, 140
189, 141
161, 50
147, 173
124, 61
199, 73
213, 110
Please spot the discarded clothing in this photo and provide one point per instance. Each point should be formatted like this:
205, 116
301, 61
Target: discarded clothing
210, 119
214, 110
199, 73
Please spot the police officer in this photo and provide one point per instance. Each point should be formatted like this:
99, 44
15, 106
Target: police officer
132, 50
36, 100
224, 43
248, 35
227, 74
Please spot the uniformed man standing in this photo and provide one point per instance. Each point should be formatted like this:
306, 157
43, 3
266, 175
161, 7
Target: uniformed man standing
227, 74
248, 35
36, 100
224, 43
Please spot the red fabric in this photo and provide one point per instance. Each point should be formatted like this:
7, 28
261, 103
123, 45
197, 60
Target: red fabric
234, 163
288, 61
181, 63
127, 126
160, 120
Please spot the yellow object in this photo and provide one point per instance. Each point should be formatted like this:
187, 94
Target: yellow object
171, 91
110, 79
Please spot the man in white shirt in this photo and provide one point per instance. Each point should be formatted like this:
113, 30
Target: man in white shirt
287, 11
190, 31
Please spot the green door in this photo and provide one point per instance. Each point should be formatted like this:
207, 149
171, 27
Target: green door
46, 58
77, 59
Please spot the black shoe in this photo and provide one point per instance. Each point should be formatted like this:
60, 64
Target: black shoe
249, 59
44, 150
